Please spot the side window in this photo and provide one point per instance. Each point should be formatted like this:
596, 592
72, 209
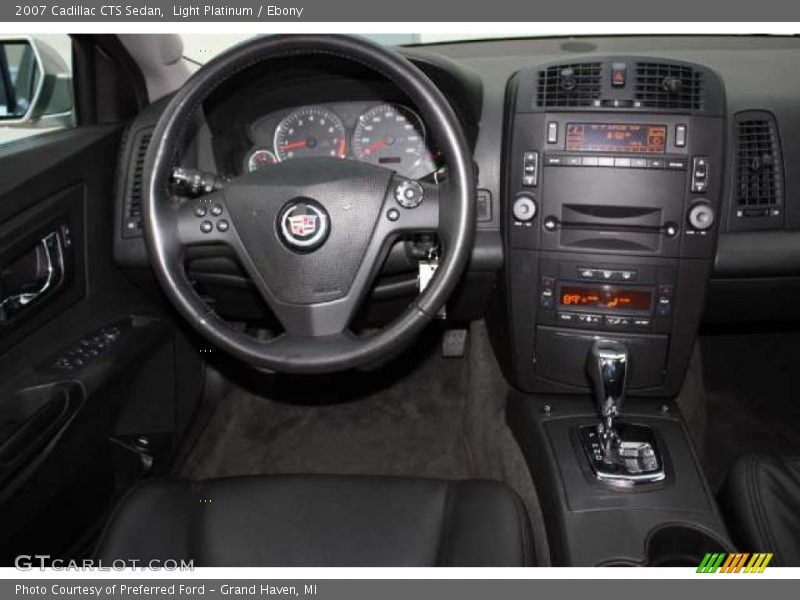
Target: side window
35, 86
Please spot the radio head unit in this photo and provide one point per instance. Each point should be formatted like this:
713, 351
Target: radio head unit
631, 138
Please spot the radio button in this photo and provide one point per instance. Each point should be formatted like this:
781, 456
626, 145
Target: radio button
699, 174
622, 162
566, 317
640, 322
530, 169
656, 163
701, 216
552, 132
573, 161
605, 161
587, 273
553, 160
676, 164
639, 163
524, 208
589, 161
680, 136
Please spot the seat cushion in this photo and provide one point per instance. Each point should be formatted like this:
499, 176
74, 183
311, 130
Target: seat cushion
761, 500
321, 520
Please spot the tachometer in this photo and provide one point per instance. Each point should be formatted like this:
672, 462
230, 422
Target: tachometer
260, 158
393, 136
311, 131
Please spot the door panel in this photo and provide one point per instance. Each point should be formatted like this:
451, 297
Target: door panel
87, 360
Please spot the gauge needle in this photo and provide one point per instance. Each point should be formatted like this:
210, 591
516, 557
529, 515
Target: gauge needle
341, 148
290, 146
373, 147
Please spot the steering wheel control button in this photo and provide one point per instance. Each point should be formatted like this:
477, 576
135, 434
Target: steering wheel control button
303, 225
393, 214
222, 226
216, 210
409, 194
524, 208
206, 227
200, 210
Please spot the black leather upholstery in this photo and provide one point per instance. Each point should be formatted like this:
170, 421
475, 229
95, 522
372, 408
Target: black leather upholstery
762, 502
321, 520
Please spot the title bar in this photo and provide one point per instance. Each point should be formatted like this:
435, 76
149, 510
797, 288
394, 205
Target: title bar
148, 11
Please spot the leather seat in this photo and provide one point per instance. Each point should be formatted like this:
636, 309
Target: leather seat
761, 500
321, 520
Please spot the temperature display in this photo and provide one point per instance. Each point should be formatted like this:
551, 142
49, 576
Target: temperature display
616, 137
605, 297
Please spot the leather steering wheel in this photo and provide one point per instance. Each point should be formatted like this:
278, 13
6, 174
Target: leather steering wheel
310, 233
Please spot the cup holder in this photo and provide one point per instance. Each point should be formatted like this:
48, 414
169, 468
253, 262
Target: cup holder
681, 545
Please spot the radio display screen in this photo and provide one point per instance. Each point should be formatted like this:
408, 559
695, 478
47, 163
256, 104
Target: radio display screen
604, 297
616, 137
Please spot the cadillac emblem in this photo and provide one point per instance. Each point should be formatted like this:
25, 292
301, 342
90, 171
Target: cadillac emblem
303, 225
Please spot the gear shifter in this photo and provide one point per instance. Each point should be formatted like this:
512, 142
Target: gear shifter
619, 453
608, 372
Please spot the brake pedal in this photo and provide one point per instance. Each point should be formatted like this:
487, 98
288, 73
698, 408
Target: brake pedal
454, 343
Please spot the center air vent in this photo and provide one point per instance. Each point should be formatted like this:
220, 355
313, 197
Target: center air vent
132, 220
758, 172
668, 86
569, 85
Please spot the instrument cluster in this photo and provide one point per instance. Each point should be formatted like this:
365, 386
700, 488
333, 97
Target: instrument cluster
386, 134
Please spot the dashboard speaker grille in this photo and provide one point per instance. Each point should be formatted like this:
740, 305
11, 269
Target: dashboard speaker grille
668, 86
759, 165
132, 225
569, 85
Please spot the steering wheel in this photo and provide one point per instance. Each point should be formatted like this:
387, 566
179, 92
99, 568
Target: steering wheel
310, 233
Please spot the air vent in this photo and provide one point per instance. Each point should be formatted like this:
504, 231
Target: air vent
759, 166
569, 85
668, 86
132, 225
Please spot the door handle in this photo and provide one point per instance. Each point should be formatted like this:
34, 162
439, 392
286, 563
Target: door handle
37, 274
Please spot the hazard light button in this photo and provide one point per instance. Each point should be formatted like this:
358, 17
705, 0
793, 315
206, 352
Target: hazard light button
618, 74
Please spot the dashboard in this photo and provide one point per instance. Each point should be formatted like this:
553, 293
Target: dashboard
753, 251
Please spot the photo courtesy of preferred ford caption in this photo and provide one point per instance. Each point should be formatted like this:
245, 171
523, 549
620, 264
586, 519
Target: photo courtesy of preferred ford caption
325, 300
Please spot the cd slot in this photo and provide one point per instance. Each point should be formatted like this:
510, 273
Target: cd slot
608, 227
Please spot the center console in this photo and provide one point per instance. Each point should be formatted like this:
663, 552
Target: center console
613, 180
614, 169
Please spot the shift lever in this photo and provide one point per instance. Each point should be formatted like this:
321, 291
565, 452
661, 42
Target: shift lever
608, 371
619, 453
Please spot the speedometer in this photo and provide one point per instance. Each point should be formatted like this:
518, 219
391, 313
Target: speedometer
311, 131
393, 136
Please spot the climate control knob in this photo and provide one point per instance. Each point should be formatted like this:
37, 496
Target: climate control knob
701, 216
524, 208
